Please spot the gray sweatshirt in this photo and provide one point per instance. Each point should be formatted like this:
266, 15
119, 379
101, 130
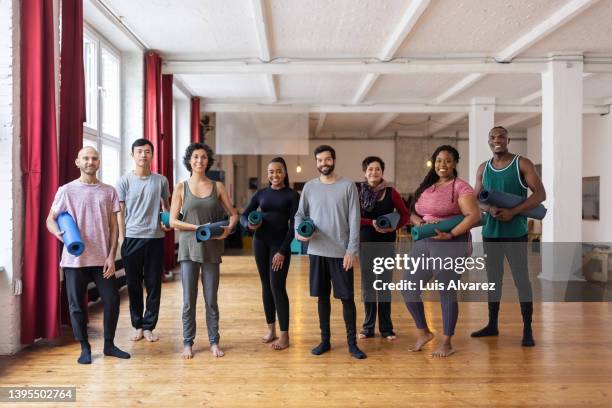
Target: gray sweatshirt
334, 209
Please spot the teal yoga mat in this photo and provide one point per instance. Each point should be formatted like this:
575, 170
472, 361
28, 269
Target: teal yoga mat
211, 230
165, 218
507, 200
72, 236
255, 217
306, 228
388, 220
446, 225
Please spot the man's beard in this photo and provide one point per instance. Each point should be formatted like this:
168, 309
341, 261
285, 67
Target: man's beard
328, 170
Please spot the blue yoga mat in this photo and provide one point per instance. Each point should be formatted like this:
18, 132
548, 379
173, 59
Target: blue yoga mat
446, 225
306, 228
72, 237
211, 230
165, 218
507, 200
388, 220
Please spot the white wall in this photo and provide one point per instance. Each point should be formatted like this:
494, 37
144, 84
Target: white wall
10, 178
596, 150
182, 137
132, 106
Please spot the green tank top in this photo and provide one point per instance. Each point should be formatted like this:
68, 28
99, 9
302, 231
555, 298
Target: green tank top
507, 180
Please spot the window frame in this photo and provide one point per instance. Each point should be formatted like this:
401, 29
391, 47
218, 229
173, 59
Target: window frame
97, 135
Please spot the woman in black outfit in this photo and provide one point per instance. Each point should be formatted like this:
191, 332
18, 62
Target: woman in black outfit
271, 245
376, 199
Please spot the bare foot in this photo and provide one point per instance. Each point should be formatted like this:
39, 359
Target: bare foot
423, 339
137, 335
282, 343
391, 338
271, 336
150, 336
445, 350
216, 351
187, 352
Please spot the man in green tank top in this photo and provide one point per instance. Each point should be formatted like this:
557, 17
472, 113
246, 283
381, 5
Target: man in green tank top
505, 231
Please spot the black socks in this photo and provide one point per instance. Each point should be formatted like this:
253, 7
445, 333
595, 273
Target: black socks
113, 351
355, 351
527, 313
85, 357
323, 347
491, 328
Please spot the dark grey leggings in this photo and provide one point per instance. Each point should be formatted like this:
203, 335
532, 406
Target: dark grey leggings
190, 271
457, 247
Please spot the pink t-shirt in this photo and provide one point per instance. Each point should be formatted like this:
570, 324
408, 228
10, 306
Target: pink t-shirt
438, 203
91, 206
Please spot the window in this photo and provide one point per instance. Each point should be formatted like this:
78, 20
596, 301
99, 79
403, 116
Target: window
102, 128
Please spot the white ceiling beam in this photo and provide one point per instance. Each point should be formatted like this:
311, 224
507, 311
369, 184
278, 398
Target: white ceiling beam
320, 123
556, 20
459, 87
570, 10
514, 120
383, 121
404, 66
409, 19
380, 108
263, 41
184, 89
538, 94
445, 122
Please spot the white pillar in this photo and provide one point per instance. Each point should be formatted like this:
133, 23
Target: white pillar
481, 120
562, 103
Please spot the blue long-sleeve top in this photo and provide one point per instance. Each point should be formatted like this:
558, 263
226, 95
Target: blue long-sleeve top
278, 208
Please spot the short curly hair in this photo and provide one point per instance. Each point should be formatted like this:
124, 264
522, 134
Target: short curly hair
198, 146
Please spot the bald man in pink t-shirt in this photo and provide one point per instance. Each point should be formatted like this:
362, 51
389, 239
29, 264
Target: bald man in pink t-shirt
94, 207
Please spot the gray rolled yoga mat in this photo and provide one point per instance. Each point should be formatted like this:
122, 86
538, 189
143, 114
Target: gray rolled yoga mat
211, 230
507, 200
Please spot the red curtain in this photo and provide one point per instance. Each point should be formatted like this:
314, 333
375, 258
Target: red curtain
165, 161
158, 129
72, 89
152, 104
39, 163
72, 105
195, 121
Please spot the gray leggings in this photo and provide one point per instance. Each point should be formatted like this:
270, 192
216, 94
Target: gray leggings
457, 247
190, 272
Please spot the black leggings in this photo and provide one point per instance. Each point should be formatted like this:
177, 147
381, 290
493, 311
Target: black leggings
273, 283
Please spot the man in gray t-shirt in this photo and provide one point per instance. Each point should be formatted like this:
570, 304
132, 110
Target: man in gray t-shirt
332, 203
141, 237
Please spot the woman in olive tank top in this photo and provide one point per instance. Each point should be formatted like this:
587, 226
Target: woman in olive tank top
202, 201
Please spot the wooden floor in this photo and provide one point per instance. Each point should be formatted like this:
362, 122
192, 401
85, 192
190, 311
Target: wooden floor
570, 366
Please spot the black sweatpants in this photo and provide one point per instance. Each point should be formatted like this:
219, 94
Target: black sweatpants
273, 283
76, 285
143, 260
325, 271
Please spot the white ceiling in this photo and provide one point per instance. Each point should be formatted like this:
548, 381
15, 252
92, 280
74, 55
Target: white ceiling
256, 31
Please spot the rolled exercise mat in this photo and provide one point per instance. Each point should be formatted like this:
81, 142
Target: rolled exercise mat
255, 218
388, 220
446, 225
210, 230
306, 228
165, 218
507, 200
72, 237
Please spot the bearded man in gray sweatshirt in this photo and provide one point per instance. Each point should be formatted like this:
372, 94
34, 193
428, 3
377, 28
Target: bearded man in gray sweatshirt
332, 203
